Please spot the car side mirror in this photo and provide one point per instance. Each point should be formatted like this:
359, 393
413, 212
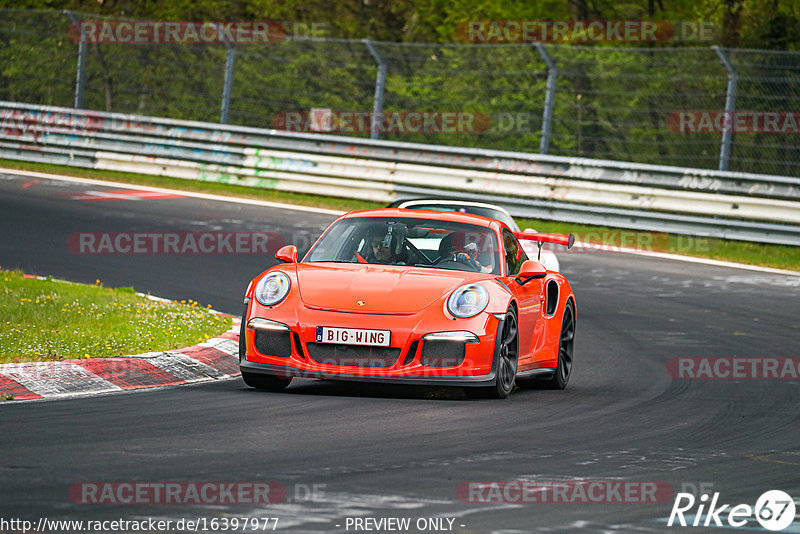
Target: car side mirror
530, 270
287, 254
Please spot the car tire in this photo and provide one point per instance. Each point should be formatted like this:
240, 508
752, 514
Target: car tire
507, 358
265, 382
563, 370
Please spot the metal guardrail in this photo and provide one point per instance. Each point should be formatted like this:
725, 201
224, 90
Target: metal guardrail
749, 207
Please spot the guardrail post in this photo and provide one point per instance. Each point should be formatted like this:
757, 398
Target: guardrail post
549, 98
230, 57
380, 84
730, 106
80, 78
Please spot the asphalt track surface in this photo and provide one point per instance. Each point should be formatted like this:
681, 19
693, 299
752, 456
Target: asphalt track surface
394, 451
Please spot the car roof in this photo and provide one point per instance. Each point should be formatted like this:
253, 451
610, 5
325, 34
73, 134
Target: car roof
411, 203
431, 201
451, 216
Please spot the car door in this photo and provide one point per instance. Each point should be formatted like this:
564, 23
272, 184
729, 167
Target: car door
529, 298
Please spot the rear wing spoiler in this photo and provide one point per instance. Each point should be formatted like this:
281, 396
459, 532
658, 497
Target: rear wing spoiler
557, 239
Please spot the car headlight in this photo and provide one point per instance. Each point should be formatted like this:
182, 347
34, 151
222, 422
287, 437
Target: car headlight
468, 301
272, 288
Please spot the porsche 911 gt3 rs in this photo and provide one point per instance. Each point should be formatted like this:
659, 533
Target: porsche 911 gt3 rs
415, 297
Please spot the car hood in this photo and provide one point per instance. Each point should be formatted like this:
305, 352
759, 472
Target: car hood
363, 288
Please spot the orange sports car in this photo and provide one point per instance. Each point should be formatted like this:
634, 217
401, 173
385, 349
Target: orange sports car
413, 297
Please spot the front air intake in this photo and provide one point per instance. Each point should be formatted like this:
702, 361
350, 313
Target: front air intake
442, 353
273, 343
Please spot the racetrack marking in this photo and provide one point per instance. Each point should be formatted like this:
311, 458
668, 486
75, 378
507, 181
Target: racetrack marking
228, 345
592, 526
264, 203
693, 259
206, 196
124, 194
183, 367
770, 457
483, 509
333, 507
787, 281
223, 362
11, 388
129, 373
53, 379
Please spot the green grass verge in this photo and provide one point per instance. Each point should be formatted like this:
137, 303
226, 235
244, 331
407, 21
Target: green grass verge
778, 256
50, 320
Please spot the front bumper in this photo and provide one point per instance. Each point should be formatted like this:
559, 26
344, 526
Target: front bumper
413, 363
285, 371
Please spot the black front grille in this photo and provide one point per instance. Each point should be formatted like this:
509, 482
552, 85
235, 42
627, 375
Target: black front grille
273, 343
442, 353
355, 355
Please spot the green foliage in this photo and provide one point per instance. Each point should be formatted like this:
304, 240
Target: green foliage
27, 74
771, 24
612, 100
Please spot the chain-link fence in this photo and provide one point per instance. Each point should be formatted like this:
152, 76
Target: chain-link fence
650, 105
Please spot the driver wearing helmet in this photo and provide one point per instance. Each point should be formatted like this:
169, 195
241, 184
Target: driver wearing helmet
458, 248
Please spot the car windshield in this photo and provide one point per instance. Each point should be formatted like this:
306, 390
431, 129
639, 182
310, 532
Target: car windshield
484, 211
411, 242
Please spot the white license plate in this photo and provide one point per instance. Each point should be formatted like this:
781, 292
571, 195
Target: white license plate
353, 336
